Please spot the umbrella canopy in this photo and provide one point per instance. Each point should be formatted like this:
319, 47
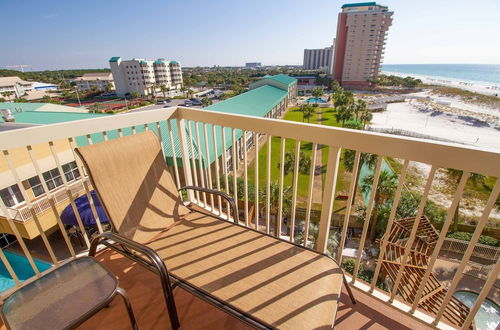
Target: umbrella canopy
68, 217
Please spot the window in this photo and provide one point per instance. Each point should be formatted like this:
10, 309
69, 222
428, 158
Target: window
52, 178
11, 196
36, 186
71, 171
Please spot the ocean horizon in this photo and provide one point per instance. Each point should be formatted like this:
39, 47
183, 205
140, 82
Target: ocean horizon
487, 74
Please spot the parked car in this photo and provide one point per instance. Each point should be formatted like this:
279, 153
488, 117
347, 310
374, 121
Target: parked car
196, 102
187, 103
161, 102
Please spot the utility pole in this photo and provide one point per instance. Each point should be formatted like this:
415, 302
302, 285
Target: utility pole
78, 96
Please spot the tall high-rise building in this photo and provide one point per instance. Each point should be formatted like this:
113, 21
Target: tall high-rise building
139, 75
317, 59
360, 43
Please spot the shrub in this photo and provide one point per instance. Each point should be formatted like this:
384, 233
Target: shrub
363, 274
483, 239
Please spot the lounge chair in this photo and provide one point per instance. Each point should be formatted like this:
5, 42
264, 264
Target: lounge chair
265, 281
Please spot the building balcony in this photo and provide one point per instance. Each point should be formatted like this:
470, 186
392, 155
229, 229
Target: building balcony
407, 286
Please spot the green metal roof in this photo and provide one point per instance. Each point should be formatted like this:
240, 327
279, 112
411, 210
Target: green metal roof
24, 106
284, 79
361, 4
256, 102
114, 59
174, 62
44, 118
159, 62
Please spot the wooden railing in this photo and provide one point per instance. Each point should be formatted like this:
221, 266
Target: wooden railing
197, 144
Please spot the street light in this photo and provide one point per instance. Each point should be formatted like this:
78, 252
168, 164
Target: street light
78, 96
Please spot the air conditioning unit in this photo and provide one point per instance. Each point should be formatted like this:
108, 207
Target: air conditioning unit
7, 115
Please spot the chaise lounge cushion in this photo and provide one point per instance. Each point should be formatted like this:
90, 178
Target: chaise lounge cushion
280, 284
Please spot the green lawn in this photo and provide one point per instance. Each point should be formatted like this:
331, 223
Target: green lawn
306, 147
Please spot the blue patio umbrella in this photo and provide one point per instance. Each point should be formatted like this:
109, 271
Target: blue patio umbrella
68, 217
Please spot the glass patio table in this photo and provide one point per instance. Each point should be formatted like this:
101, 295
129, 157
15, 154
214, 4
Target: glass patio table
64, 297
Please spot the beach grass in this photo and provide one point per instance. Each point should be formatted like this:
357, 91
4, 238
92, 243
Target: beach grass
465, 95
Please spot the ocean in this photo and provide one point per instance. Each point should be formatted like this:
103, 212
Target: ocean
485, 74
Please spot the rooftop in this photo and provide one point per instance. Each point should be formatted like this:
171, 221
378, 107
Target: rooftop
361, 4
10, 81
96, 76
114, 59
284, 79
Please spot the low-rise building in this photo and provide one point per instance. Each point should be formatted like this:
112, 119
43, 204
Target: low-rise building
253, 65
282, 81
99, 80
13, 87
145, 77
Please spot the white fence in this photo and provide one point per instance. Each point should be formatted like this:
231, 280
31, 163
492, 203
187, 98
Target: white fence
480, 250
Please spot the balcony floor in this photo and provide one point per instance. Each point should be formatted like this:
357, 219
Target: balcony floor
146, 298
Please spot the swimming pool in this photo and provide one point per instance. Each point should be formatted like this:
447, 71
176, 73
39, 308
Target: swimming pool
21, 267
365, 171
315, 100
488, 315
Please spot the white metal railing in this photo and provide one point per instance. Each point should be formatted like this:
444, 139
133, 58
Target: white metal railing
23, 212
480, 250
192, 137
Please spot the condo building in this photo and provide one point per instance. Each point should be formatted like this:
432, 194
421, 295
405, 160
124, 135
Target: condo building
145, 77
13, 87
319, 59
99, 80
361, 34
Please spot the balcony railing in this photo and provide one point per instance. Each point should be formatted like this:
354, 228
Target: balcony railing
39, 206
191, 137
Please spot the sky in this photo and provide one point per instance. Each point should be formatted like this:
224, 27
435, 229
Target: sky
52, 34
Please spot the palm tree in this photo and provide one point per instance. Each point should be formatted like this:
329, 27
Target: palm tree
307, 111
366, 117
164, 90
94, 107
317, 92
369, 159
456, 175
344, 113
108, 88
359, 107
7, 94
154, 86
385, 189
336, 89
206, 101
274, 201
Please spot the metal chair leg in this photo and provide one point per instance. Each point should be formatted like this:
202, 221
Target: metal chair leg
349, 292
131, 316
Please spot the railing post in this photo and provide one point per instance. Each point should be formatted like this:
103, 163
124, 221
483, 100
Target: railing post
328, 198
181, 127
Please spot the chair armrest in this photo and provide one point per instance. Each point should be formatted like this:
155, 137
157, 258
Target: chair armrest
222, 194
155, 264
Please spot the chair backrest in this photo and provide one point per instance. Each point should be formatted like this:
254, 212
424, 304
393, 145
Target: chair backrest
134, 185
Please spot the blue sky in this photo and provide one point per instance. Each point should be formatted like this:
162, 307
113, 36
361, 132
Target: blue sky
67, 34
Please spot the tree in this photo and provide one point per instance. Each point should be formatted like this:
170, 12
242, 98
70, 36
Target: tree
304, 163
317, 92
206, 101
164, 90
359, 107
336, 88
274, 201
307, 111
94, 108
344, 113
7, 94
365, 117
354, 124
94, 89
108, 88
385, 189
455, 176
369, 159
154, 86
135, 95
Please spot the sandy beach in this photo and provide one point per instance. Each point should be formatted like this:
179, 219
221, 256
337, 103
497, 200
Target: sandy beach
473, 86
444, 118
